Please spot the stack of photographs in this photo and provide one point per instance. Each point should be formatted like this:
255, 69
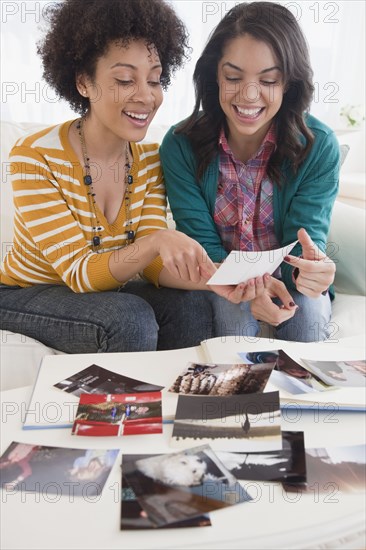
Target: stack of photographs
176, 490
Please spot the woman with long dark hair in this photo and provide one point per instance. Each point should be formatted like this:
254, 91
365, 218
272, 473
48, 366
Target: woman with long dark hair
252, 170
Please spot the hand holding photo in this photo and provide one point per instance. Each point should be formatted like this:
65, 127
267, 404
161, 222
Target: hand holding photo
240, 266
125, 414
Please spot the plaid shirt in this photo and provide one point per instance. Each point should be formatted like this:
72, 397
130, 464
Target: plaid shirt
243, 208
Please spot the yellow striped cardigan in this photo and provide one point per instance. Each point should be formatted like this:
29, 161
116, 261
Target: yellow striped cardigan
52, 223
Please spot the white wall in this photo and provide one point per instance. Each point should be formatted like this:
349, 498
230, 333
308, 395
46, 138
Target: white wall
335, 32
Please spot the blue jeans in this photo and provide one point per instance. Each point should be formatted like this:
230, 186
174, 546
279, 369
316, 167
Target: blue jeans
311, 322
138, 317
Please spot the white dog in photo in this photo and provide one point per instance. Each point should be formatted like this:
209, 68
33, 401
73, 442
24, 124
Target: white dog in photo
175, 469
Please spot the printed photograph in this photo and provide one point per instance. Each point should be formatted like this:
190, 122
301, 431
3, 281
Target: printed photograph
222, 379
126, 414
95, 379
287, 374
58, 470
340, 373
133, 516
238, 423
286, 464
180, 486
334, 469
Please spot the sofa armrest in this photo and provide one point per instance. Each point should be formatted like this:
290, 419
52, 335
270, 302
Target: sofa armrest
346, 246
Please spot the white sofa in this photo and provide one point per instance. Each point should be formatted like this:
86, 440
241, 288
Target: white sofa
20, 355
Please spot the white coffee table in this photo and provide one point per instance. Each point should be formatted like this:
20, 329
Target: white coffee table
272, 520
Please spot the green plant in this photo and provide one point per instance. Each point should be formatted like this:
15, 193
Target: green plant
353, 114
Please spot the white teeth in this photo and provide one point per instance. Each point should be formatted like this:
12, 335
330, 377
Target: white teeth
248, 112
137, 115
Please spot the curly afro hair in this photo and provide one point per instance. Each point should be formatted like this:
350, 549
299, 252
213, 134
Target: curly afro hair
81, 31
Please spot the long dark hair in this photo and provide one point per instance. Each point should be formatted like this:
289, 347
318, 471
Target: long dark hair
277, 27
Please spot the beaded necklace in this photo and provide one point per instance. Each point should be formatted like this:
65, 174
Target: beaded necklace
95, 225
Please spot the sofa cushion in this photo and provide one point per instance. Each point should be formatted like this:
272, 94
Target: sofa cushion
346, 247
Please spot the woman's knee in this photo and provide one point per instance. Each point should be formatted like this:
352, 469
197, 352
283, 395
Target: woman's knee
126, 323
311, 322
82, 323
232, 319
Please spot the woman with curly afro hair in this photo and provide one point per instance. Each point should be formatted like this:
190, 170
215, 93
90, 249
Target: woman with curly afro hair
90, 199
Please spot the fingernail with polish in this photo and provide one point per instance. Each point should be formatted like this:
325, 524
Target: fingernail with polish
287, 259
291, 304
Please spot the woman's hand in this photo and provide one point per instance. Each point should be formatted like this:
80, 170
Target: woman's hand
182, 256
263, 308
243, 292
315, 270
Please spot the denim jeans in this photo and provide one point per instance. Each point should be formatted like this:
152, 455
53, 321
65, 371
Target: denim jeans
138, 317
311, 322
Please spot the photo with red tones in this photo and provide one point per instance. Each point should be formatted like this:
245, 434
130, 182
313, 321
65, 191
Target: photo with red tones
118, 414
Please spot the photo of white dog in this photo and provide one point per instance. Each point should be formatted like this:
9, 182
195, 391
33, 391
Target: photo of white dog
174, 469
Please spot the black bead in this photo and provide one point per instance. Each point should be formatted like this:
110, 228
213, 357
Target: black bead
129, 179
96, 241
88, 180
130, 235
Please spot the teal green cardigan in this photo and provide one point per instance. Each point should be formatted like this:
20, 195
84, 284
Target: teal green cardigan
303, 200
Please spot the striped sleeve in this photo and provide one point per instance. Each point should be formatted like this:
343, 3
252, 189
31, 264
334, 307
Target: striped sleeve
153, 213
47, 232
